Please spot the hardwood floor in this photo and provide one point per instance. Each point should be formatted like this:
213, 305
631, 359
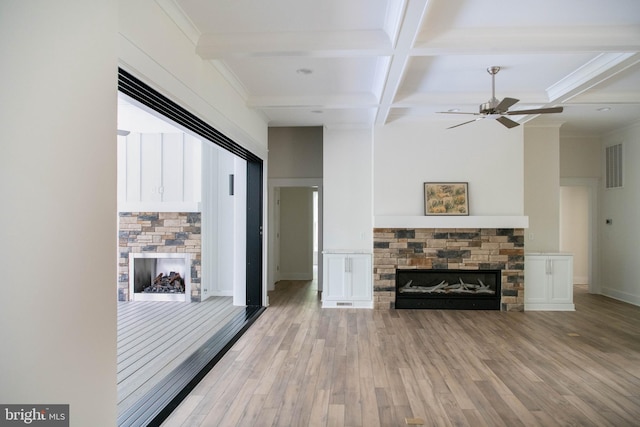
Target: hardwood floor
300, 365
155, 337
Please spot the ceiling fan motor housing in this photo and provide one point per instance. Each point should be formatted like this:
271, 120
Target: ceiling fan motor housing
489, 107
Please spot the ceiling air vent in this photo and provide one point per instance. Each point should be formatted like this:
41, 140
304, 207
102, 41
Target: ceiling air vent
613, 158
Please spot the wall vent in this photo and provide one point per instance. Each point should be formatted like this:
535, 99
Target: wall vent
613, 158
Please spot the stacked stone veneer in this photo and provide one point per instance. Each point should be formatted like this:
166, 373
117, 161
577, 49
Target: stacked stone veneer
432, 248
159, 232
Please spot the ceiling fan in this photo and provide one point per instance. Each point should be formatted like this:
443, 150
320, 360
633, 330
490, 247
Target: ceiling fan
498, 110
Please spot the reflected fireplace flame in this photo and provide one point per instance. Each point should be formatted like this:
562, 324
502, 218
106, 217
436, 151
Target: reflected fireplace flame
446, 287
160, 277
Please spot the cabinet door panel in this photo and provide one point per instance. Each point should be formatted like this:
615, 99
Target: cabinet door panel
360, 272
335, 278
536, 288
151, 167
131, 175
561, 280
172, 167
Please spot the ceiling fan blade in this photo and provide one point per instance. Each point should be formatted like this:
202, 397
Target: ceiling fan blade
505, 104
536, 111
456, 112
470, 121
507, 122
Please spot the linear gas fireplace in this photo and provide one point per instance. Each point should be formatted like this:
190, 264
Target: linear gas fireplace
463, 250
448, 289
160, 277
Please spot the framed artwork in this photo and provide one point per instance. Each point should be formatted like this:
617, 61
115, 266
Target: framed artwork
446, 198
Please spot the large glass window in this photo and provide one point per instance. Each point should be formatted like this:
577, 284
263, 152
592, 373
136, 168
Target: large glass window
183, 215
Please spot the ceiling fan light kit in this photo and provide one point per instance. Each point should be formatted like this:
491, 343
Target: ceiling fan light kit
497, 110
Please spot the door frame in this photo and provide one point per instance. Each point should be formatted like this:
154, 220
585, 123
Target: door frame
272, 249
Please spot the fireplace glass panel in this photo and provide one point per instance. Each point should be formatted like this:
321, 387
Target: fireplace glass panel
448, 289
160, 277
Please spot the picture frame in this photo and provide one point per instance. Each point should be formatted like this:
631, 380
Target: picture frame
446, 198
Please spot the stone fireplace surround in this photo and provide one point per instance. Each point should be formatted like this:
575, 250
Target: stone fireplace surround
449, 248
159, 232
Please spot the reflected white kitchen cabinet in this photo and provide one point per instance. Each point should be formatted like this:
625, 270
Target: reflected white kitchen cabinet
347, 280
159, 172
548, 284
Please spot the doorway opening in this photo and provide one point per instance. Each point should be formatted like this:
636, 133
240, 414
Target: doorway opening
295, 233
578, 228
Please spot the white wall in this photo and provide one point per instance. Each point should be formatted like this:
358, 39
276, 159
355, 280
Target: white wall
542, 188
58, 189
622, 206
224, 216
240, 234
223, 224
296, 233
484, 154
348, 191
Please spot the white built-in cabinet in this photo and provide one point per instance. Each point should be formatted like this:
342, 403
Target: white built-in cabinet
159, 172
347, 280
548, 282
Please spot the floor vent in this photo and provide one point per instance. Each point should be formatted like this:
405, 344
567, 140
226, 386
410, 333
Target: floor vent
613, 158
344, 304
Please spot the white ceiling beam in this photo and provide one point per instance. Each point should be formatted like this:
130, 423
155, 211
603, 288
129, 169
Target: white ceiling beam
355, 100
593, 73
411, 21
531, 40
612, 98
393, 19
320, 44
461, 98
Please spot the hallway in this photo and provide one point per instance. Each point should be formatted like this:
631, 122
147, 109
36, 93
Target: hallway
301, 365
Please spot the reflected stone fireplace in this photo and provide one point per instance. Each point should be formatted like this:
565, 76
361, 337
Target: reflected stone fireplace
458, 250
159, 235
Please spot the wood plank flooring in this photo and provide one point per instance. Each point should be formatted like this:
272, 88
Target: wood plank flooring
155, 337
301, 365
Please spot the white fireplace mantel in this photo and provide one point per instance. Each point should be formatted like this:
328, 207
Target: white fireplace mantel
442, 221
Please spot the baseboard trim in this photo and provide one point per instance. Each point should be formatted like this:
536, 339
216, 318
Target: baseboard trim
296, 276
581, 280
549, 307
620, 296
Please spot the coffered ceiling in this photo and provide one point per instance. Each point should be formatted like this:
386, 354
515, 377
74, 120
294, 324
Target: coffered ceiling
364, 62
